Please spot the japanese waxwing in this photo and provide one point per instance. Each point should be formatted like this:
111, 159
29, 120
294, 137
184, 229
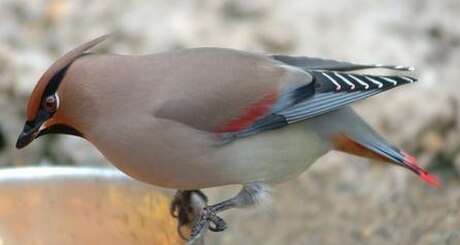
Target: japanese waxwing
206, 117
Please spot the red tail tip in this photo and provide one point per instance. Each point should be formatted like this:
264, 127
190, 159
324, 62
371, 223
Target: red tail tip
412, 164
430, 179
409, 158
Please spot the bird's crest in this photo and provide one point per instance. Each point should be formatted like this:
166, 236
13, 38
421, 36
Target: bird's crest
55, 68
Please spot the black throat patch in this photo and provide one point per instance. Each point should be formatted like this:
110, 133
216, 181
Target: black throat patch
60, 129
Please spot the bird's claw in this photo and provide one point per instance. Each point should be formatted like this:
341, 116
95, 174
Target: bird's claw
208, 219
184, 209
175, 206
219, 224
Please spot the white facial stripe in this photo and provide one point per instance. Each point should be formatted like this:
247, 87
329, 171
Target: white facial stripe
57, 100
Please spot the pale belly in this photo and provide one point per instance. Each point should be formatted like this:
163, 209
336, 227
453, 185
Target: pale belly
180, 158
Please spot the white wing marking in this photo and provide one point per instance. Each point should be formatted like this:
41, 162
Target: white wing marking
366, 86
394, 82
379, 84
352, 85
337, 85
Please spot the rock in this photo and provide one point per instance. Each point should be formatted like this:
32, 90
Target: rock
432, 142
457, 162
241, 9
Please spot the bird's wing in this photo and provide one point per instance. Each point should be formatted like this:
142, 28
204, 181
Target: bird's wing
313, 63
221, 90
245, 94
331, 90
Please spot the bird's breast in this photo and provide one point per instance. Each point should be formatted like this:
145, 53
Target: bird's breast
172, 155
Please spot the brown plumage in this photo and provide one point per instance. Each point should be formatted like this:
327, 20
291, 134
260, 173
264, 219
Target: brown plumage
205, 117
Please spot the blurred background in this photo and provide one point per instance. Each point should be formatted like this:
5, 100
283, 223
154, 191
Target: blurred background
341, 199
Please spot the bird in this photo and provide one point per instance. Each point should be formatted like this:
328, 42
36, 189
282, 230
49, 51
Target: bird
196, 118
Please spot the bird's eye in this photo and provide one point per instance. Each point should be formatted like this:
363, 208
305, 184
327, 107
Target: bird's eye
50, 103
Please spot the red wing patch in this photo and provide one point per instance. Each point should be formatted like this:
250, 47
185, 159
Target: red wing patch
254, 112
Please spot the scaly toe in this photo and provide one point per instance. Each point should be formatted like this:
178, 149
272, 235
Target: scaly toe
207, 217
176, 204
181, 232
174, 208
219, 224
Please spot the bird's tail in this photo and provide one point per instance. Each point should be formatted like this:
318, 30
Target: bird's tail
348, 133
383, 151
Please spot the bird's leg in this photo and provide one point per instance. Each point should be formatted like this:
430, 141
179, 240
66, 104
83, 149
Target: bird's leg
186, 206
250, 194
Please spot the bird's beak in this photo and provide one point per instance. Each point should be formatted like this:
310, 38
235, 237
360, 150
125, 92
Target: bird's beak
28, 134
31, 130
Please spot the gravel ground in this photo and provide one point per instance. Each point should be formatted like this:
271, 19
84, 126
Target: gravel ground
341, 199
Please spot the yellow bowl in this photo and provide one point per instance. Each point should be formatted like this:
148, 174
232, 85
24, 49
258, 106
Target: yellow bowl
60, 205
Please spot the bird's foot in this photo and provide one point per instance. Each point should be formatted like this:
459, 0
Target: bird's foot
208, 219
185, 207
250, 194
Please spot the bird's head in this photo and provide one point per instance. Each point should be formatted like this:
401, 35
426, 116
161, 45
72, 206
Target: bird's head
45, 113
